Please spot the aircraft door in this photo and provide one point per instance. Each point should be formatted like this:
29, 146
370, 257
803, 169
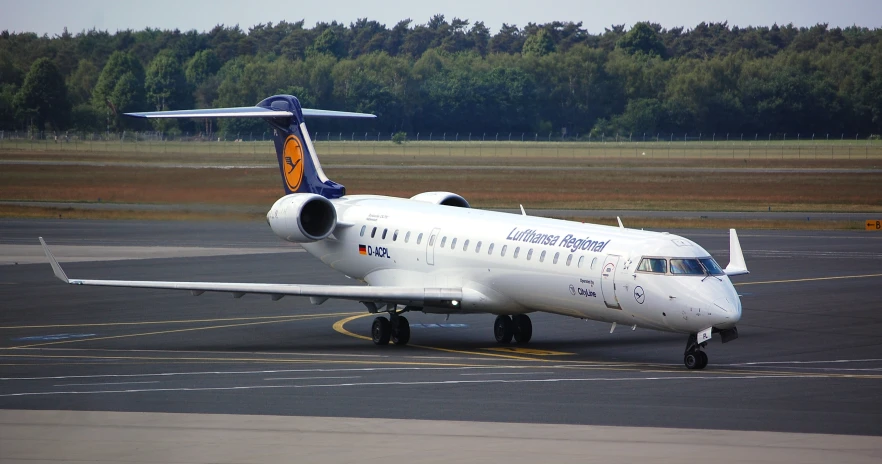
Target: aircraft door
608, 282
430, 246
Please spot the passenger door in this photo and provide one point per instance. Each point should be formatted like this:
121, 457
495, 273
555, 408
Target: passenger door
608, 282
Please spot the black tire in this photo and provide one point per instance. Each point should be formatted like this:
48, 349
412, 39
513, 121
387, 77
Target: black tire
691, 360
401, 334
702, 360
502, 329
381, 330
523, 328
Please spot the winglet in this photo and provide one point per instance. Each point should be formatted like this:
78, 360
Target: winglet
56, 268
621, 226
736, 266
523, 213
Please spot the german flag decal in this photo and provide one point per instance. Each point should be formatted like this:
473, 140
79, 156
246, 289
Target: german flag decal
362, 250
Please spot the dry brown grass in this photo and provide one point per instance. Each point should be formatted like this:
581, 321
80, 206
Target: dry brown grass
39, 212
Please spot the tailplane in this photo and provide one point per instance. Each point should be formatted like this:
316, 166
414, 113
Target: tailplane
298, 164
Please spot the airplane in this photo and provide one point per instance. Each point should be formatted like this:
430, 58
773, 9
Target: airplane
435, 254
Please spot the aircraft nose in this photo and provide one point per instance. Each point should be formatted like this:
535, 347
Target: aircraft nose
729, 311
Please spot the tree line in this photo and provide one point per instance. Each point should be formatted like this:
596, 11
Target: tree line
456, 77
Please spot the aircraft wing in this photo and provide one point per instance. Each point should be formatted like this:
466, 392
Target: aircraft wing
319, 293
246, 112
737, 265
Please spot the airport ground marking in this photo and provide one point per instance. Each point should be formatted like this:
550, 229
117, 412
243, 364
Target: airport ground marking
531, 351
339, 327
176, 321
814, 279
161, 332
420, 383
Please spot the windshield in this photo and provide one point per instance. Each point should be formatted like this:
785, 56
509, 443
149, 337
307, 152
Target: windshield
654, 265
686, 267
712, 267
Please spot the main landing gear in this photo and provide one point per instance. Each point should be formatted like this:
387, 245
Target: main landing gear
396, 329
694, 358
518, 327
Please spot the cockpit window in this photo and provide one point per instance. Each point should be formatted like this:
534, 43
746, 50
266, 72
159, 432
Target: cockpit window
686, 267
654, 265
712, 267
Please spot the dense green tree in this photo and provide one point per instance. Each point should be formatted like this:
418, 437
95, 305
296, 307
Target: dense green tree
118, 65
643, 38
538, 44
165, 85
42, 98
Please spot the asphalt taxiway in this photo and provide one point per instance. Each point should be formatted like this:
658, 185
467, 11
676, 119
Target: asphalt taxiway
808, 360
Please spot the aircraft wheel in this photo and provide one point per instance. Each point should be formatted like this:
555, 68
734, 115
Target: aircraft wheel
381, 330
523, 328
502, 329
691, 360
401, 333
702, 360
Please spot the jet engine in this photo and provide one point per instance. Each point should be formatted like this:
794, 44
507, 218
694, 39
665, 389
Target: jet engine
442, 198
302, 217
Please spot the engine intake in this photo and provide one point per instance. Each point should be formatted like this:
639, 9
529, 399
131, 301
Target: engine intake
302, 217
442, 198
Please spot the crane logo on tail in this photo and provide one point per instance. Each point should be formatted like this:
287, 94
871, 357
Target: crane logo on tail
292, 167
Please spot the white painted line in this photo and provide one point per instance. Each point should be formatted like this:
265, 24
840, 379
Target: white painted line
805, 362
509, 373
102, 383
690, 378
311, 378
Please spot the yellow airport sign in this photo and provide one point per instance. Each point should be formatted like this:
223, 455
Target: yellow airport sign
874, 225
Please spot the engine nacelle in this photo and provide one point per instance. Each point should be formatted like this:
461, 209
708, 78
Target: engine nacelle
442, 198
302, 217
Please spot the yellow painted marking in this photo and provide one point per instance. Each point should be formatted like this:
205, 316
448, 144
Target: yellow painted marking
178, 321
808, 280
874, 224
534, 352
338, 326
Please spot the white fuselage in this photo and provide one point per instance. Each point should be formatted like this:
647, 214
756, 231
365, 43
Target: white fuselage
509, 264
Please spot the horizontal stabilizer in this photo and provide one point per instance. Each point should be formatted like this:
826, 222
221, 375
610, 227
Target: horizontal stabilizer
246, 112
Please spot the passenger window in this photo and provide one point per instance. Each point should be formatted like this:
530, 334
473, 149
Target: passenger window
581, 261
395, 236
384, 233
373, 232
517, 251
419, 239
529, 254
542, 257
443, 241
593, 262
478, 247
504, 247
653, 265
569, 259
465, 246
407, 237
490, 250
431, 240
556, 255
453, 244
363, 228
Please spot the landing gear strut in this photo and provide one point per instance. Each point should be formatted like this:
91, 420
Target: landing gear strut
396, 329
694, 358
518, 327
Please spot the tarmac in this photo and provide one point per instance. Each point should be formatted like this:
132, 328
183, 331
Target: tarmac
147, 375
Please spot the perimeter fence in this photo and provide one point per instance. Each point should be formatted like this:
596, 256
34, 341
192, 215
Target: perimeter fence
684, 145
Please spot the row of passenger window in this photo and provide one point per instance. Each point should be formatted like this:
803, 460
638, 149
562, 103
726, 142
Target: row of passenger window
465, 247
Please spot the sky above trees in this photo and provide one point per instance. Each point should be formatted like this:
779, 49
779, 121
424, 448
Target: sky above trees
52, 16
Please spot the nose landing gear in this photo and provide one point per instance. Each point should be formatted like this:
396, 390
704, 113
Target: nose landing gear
694, 358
